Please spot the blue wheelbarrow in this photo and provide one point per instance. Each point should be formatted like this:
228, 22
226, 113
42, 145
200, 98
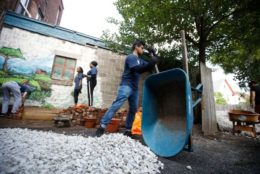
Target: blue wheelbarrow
167, 118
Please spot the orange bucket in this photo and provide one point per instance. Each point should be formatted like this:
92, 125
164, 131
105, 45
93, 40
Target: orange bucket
90, 122
113, 126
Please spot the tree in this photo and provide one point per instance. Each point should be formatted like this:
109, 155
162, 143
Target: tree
206, 23
220, 99
161, 21
240, 50
9, 53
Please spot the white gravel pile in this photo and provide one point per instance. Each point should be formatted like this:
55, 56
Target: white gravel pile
223, 121
28, 151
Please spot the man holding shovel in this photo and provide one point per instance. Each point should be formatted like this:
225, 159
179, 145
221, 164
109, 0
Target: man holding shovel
128, 89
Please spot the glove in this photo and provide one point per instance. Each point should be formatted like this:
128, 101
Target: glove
152, 54
154, 58
151, 50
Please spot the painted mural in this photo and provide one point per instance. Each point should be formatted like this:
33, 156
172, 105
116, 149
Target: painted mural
14, 66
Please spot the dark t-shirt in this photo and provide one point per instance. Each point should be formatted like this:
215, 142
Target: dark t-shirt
77, 79
24, 88
93, 74
256, 89
129, 77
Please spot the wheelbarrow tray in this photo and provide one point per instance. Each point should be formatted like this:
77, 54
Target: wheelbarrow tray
244, 116
167, 118
244, 121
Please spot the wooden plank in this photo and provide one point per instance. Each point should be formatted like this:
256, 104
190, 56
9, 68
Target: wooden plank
186, 69
252, 130
209, 122
184, 53
37, 113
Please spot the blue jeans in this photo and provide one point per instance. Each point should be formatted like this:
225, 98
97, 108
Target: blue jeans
15, 89
124, 92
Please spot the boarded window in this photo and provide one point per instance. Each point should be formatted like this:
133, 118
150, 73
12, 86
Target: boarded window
63, 69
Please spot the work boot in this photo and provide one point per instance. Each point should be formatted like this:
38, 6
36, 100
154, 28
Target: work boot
128, 133
3, 115
100, 131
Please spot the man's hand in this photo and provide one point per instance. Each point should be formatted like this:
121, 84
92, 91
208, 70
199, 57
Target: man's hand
155, 59
152, 53
24, 97
151, 50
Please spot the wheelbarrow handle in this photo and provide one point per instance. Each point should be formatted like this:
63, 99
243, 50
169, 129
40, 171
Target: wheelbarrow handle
199, 89
156, 69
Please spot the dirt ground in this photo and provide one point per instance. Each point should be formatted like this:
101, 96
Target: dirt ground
221, 153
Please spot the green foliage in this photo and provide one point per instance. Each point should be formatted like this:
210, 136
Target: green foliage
11, 52
19, 80
2, 73
42, 83
39, 95
42, 77
241, 54
7, 79
209, 27
35, 84
220, 99
160, 22
47, 106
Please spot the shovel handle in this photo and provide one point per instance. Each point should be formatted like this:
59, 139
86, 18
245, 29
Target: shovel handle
156, 69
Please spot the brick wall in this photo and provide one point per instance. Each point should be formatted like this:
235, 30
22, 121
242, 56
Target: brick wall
51, 10
8, 5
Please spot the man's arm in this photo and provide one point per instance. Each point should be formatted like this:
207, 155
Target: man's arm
92, 74
24, 97
146, 66
143, 68
80, 83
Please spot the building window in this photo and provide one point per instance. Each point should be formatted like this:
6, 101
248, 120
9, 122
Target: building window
22, 7
63, 70
39, 15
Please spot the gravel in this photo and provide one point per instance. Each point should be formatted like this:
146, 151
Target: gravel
31, 151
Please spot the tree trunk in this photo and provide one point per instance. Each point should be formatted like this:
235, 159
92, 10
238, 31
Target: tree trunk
202, 52
202, 41
5, 66
202, 58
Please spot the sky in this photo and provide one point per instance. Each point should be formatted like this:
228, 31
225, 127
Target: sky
89, 16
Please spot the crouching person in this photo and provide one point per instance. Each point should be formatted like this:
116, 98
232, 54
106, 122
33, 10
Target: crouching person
19, 91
